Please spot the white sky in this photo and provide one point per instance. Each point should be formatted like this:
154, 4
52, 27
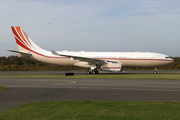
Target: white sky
94, 25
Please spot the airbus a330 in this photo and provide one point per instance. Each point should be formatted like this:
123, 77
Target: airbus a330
106, 61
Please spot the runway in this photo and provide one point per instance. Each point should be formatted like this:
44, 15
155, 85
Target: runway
25, 90
116, 84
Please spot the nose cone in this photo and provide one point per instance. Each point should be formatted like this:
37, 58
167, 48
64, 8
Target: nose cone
170, 61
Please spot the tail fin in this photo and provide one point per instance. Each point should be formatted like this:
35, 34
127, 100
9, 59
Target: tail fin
24, 42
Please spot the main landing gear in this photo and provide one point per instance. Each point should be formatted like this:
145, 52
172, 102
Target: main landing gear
92, 72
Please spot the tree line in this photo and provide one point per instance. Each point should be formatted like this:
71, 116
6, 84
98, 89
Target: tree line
16, 63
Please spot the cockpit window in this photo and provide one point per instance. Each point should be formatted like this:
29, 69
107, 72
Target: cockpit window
167, 57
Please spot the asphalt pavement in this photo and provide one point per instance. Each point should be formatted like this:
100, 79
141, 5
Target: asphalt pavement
25, 90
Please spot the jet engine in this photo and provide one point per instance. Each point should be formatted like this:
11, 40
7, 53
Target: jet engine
112, 67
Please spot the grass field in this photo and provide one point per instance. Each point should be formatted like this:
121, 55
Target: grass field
94, 110
2, 88
106, 76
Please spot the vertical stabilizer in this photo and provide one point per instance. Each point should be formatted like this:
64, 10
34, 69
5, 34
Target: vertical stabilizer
24, 42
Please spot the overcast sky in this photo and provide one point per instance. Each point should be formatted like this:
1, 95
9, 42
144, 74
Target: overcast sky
93, 25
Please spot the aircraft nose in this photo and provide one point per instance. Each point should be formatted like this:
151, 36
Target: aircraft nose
172, 60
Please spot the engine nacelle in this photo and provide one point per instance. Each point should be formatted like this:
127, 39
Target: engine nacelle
113, 67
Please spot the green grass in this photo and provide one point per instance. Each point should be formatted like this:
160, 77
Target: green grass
107, 76
94, 110
2, 88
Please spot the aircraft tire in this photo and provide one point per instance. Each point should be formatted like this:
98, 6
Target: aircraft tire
93, 72
155, 72
87, 72
97, 72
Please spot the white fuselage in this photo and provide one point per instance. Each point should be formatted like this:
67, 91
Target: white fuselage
128, 59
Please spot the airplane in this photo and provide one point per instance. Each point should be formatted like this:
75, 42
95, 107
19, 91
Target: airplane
106, 61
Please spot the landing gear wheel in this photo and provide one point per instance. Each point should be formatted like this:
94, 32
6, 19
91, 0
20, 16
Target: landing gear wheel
155, 72
97, 72
87, 72
92, 72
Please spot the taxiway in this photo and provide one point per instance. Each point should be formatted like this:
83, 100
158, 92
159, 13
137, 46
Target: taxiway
25, 90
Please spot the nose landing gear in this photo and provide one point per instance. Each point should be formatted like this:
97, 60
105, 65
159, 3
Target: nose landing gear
155, 71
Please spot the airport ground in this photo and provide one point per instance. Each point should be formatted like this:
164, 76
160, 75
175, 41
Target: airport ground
26, 90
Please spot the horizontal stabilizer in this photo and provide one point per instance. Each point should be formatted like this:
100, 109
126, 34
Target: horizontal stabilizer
21, 53
55, 53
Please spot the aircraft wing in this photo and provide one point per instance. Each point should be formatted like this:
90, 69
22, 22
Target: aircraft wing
85, 59
21, 53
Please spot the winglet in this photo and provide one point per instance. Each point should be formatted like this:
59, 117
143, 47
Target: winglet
55, 53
